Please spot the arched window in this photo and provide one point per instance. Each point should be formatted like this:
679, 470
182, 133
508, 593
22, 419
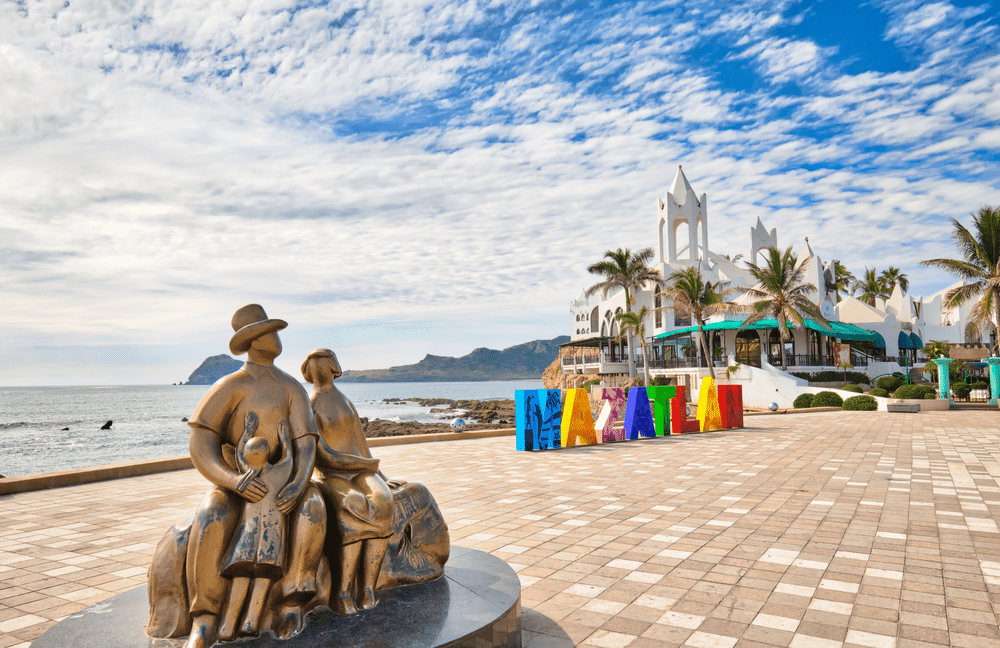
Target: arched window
748, 348
578, 317
594, 314
658, 314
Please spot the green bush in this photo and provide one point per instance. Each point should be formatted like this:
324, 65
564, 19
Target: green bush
834, 376
827, 399
802, 401
961, 390
803, 375
928, 389
591, 383
930, 396
860, 404
659, 381
908, 391
853, 388
878, 391
889, 383
980, 385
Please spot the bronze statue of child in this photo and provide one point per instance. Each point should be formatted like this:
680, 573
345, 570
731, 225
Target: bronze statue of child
256, 554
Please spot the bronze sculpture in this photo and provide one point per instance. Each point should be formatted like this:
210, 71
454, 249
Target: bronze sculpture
254, 436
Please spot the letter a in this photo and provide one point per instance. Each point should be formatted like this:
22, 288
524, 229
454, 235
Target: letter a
577, 422
638, 418
709, 414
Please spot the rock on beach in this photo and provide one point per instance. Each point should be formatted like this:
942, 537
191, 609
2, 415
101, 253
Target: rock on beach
488, 414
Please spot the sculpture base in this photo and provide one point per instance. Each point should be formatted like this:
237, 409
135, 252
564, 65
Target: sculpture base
477, 603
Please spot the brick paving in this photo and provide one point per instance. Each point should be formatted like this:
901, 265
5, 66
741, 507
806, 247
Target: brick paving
817, 530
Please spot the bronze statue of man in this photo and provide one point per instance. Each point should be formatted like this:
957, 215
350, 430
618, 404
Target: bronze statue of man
271, 398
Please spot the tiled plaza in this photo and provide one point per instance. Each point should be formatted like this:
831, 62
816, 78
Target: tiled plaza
808, 530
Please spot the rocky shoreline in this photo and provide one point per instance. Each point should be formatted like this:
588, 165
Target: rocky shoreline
487, 414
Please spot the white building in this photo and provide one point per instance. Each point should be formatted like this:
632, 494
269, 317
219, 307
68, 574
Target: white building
877, 340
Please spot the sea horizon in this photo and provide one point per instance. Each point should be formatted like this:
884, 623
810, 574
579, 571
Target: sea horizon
50, 428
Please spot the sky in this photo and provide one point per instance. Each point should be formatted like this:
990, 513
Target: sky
401, 178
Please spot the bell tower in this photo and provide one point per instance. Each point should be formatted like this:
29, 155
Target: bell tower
682, 206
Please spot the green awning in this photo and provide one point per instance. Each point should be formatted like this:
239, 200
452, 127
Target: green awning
916, 341
839, 330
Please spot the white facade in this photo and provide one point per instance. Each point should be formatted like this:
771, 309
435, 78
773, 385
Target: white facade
682, 241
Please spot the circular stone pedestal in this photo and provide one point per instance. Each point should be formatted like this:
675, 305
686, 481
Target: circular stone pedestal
477, 603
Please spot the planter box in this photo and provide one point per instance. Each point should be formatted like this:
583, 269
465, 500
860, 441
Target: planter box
926, 405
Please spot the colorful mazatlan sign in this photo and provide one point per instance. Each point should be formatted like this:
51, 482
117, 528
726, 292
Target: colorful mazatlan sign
543, 423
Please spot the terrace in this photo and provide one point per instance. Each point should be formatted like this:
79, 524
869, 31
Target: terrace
816, 530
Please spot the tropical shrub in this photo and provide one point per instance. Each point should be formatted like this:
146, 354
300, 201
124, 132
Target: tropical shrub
860, 404
834, 376
961, 390
889, 383
827, 399
980, 385
853, 388
878, 391
802, 401
803, 375
930, 396
590, 383
908, 391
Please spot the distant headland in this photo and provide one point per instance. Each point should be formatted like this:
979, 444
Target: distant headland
521, 362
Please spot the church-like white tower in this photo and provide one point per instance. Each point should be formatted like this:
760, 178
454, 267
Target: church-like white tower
682, 205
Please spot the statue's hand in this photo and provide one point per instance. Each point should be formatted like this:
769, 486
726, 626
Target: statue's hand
288, 496
255, 491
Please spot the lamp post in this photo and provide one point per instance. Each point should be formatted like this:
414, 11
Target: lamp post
944, 379
994, 379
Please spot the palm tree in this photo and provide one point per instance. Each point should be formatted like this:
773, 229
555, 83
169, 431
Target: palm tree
693, 296
892, 276
980, 267
870, 288
636, 323
782, 293
623, 269
842, 279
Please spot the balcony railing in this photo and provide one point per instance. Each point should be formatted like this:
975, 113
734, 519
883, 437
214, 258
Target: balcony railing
585, 359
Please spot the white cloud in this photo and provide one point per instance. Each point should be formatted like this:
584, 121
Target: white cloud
144, 196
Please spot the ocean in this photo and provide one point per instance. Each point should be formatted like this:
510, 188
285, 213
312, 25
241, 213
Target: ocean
147, 419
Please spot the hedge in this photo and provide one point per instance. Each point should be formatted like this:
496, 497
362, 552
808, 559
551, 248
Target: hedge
961, 390
930, 396
908, 391
802, 401
889, 383
827, 399
833, 376
980, 385
860, 403
878, 391
853, 388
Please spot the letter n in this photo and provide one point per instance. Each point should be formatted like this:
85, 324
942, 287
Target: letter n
731, 404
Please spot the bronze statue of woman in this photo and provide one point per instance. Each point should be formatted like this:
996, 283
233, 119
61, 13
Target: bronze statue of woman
356, 491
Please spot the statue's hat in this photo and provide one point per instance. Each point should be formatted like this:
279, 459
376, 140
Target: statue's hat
250, 323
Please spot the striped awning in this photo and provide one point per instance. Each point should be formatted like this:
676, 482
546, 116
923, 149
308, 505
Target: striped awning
838, 330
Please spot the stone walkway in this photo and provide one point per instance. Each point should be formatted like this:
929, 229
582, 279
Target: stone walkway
811, 530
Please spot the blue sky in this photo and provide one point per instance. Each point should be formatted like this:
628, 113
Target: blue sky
402, 178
